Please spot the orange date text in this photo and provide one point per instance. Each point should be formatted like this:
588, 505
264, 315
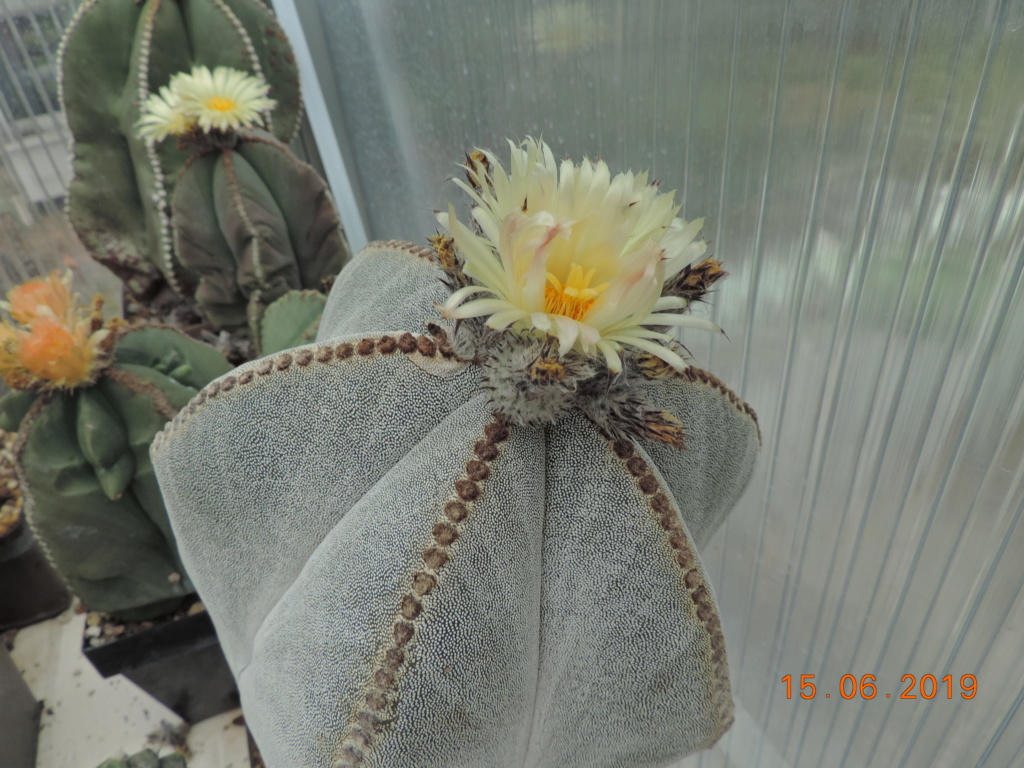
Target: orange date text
866, 687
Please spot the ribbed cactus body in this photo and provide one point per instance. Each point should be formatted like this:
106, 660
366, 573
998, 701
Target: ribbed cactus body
117, 52
401, 578
254, 222
91, 494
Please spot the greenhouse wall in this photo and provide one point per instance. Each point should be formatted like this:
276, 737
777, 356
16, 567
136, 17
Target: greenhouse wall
860, 169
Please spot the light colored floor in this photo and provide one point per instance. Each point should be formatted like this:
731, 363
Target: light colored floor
87, 719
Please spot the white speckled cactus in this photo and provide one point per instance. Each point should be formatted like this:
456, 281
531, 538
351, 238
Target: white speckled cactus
406, 571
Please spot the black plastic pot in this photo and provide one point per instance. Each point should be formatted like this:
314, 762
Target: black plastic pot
179, 663
19, 723
30, 590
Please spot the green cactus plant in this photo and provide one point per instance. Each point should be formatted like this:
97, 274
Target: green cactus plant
87, 402
114, 55
253, 222
147, 758
291, 321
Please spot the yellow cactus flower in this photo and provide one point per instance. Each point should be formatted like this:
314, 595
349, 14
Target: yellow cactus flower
568, 251
52, 343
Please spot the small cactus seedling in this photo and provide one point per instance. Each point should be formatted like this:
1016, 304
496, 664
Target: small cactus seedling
291, 321
463, 527
88, 398
115, 55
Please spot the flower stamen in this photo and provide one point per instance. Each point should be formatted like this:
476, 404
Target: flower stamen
220, 104
573, 299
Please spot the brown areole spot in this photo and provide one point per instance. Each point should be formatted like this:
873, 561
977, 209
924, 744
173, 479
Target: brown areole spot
325, 354
387, 345
692, 579
407, 343
623, 449
343, 351
410, 607
423, 583
265, 367
445, 533
648, 484
402, 632
426, 346
383, 679
376, 701
435, 558
283, 362
456, 511
485, 450
477, 470
227, 383
304, 357
703, 377
365, 347
245, 377
637, 467
496, 431
393, 658
467, 490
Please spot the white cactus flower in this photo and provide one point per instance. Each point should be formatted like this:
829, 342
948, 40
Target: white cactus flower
573, 253
163, 115
224, 99
400, 577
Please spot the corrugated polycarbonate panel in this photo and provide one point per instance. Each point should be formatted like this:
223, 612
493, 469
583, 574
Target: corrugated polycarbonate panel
35, 167
859, 164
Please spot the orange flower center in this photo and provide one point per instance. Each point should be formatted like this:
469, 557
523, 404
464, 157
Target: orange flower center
573, 299
220, 103
50, 351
